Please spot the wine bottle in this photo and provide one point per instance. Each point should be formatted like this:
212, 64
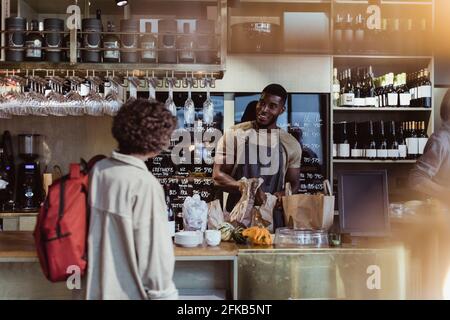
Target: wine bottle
359, 97
404, 96
370, 95
425, 90
391, 96
356, 149
371, 147
348, 95
422, 138
402, 149
382, 152
336, 89
412, 142
393, 149
344, 145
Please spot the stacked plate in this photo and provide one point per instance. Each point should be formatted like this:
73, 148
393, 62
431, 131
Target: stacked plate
188, 239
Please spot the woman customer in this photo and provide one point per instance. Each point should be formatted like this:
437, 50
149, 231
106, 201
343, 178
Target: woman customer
130, 251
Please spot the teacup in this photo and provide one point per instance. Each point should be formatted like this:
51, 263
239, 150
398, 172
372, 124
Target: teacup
212, 237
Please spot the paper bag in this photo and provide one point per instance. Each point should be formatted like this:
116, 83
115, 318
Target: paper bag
263, 216
305, 211
242, 211
215, 215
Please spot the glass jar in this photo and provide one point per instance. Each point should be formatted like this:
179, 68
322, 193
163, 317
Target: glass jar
15, 35
167, 41
53, 41
129, 41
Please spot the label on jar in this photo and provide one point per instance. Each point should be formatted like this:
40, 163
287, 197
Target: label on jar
111, 54
33, 49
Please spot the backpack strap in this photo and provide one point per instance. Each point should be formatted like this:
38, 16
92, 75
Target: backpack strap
61, 206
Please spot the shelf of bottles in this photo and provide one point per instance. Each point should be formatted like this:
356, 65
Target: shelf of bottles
355, 88
405, 27
379, 141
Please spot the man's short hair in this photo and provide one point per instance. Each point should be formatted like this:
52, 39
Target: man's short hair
276, 90
142, 126
445, 107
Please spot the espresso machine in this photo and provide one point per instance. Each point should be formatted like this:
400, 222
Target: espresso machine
29, 182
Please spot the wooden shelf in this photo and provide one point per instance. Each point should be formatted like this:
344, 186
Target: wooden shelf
373, 161
373, 109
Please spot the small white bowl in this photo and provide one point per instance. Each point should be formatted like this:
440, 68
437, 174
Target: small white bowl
212, 237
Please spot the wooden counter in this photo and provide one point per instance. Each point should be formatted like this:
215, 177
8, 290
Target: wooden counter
20, 244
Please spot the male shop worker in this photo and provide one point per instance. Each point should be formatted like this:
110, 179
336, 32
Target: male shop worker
252, 149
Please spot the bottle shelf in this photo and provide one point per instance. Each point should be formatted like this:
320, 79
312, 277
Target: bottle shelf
372, 109
373, 161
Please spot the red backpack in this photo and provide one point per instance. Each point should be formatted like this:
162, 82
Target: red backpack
62, 225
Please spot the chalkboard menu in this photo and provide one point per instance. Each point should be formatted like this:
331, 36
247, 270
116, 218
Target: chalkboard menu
192, 172
308, 118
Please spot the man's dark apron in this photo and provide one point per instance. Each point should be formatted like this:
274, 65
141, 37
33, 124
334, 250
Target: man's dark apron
272, 183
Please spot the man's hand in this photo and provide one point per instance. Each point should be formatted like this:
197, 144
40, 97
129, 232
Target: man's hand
260, 197
279, 196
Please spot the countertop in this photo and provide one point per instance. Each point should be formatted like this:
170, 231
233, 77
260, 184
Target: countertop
20, 245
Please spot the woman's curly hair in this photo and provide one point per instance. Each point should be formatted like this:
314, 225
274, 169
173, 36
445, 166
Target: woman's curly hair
142, 126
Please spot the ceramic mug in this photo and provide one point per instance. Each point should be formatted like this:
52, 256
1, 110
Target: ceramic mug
212, 237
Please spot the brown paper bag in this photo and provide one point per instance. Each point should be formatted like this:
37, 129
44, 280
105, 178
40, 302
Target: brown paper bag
306, 211
242, 211
215, 215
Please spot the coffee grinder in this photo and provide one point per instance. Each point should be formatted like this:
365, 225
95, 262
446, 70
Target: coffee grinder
29, 181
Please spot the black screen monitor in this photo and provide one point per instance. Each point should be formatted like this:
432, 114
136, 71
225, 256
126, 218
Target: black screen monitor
363, 203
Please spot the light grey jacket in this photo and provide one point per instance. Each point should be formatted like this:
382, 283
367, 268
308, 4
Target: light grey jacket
130, 251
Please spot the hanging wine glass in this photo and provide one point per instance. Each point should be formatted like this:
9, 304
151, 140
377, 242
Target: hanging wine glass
208, 106
55, 98
170, 104
189, 107
152, 84
75, 102
93, 101
113, 101
14, 97
4, 114
35, 97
